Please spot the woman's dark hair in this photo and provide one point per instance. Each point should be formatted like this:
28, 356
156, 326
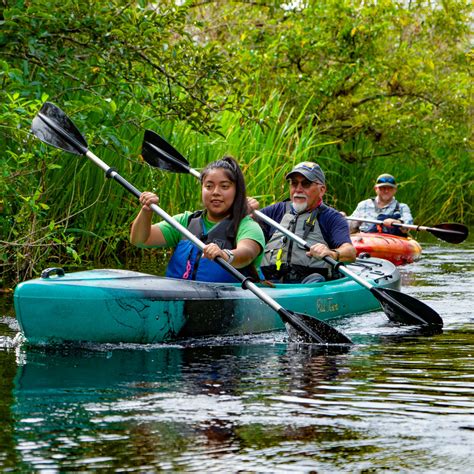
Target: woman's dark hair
239, 208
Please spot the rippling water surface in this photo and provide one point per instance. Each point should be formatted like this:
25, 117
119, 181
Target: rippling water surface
398, 400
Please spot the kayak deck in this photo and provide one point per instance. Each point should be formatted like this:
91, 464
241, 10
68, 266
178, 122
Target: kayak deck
111, 306
398, 250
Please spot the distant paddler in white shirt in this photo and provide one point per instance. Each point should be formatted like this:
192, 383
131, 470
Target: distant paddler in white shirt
383, 207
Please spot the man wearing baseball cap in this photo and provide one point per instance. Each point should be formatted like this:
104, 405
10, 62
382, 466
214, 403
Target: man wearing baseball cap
304, 213
383, 207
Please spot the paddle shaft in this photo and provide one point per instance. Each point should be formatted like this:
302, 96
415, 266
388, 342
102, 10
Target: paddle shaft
383, 295
153, 146
283, 230
246, 282
286, 316
337, 265
306, 325
407, 226
397, 306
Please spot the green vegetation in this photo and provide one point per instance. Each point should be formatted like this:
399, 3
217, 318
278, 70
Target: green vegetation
361, 87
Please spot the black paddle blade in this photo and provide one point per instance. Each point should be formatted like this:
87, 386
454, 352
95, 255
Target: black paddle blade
304, 328
52, 126
450, 232
157, 152
404, 309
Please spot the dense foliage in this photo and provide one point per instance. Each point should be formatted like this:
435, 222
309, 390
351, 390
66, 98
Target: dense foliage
362, 87
397, 76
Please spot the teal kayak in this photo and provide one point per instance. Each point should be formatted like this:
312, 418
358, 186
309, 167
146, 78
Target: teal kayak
121, 306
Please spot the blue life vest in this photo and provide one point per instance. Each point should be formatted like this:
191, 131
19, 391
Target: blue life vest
187, 262
387, 230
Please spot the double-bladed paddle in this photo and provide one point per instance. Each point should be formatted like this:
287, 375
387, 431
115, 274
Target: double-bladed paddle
398, 306
52, 126
448, 231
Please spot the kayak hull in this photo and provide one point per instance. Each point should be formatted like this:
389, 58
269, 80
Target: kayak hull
398, 250
120, 306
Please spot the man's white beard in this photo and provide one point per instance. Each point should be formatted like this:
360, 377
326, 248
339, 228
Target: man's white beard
299, 207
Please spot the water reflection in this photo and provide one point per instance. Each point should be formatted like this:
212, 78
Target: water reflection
262, 405
166, 400
399, 400
8, 458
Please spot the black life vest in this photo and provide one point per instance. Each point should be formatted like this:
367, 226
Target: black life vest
387, 230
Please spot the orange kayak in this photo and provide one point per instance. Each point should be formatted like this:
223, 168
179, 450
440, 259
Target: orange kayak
399, 250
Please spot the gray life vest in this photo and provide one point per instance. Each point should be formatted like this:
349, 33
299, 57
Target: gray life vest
282, 254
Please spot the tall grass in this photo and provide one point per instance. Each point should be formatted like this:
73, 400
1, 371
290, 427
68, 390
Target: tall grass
87, 222
438, 188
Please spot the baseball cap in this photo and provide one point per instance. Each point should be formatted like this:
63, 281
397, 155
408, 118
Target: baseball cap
309, 170
386, 180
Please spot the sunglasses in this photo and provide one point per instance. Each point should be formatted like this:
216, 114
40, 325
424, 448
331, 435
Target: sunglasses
386, 180
305, 183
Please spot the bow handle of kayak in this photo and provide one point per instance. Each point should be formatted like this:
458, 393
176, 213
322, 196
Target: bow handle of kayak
46, 273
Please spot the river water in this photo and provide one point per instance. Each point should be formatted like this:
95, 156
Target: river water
397, 400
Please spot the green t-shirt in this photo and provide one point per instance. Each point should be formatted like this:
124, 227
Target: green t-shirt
248, 229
